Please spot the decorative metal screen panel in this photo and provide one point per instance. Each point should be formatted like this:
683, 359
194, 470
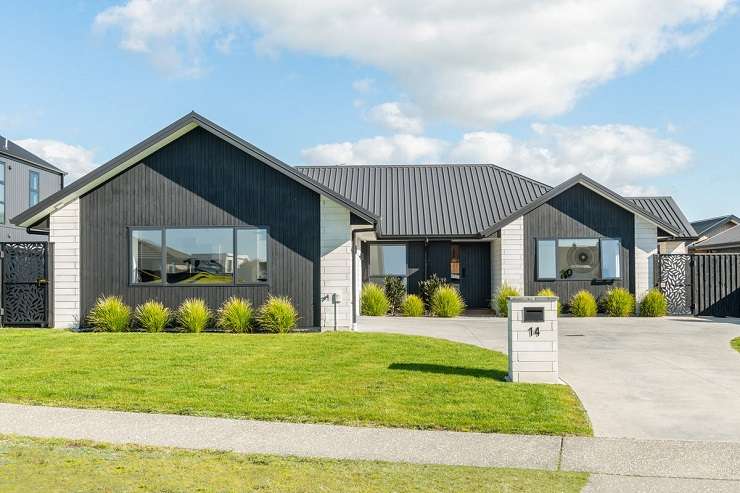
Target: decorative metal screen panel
675, 282
25, 289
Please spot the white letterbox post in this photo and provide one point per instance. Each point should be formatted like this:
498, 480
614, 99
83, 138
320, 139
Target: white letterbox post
533, 339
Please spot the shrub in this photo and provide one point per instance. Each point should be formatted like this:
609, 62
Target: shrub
277, 315
654, 304
550, 292
373, 300
395, 291
501, 300
152, 316
236, 314
412, 306
428, 286
583, 304
447, 302
619, 302
110, 314
193, 315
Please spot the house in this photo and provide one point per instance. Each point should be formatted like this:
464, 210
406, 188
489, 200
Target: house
195, 210
25, 180
717, 235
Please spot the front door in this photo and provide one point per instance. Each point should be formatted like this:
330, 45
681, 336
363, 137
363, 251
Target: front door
473, 271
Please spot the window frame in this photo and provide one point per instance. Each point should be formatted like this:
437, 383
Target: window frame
404, 244
557, 267
31, 174
3, 181
129, 232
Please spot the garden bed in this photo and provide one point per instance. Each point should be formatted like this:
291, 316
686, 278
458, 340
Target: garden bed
344, 378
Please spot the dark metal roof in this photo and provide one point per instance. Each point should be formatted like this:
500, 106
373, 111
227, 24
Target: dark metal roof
14, 151
668, 210
431, 200
725, 239
119, 164
704, 225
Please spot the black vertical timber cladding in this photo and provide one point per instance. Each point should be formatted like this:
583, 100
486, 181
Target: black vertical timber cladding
415, 264
201, 180
438, 258
578, 213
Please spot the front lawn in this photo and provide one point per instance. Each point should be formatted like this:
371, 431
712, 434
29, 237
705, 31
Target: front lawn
59, 465
346, 378
735, 343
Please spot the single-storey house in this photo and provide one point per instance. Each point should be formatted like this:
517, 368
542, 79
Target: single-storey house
717, 235
195, 210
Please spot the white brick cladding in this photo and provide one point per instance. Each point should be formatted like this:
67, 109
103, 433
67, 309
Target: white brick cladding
673, 247
512, 254
336, 264
646, 247
495, 266
533, 346
64, 235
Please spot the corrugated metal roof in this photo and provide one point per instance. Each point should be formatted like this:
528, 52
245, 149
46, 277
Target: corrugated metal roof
431, 200
665, 208
728, 238
14, 151
704, 225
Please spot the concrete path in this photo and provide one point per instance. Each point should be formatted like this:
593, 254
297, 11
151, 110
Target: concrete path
682, 466
673, 378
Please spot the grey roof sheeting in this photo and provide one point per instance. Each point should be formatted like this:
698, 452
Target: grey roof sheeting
185, 124
14, 151
667, 209
725, 239
431, 200
703, 225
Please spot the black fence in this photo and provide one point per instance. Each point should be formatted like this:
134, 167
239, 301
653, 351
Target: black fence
701, 284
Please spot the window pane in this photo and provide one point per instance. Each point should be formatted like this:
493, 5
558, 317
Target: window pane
34, 198
578, 259
2, 172
146, 256
610, 259
251, 255
546, 266
200, 256
2, 212
387, 260
34, 180
455, 262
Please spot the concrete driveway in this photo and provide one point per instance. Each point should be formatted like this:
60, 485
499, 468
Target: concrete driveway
674, 378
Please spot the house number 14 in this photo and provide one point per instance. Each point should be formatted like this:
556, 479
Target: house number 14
534, 332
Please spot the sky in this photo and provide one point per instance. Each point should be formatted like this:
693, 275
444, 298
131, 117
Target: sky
640, 96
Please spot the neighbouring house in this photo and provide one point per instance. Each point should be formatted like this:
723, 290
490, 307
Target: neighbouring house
717, 235
195, 210
25, 180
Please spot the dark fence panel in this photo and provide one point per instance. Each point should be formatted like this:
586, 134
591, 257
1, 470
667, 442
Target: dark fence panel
716, 284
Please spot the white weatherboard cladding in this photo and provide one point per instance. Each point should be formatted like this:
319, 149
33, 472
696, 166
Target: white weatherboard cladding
336, 264
512, 254
646, 248
64, 235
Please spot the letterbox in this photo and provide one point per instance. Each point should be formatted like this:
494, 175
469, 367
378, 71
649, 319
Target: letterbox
533, 314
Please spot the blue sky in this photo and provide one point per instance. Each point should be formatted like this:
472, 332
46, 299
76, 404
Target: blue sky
646, 105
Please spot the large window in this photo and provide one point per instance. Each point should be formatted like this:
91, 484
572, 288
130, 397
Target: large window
578, 259
2, 192
33, 188
386, 260
198, 256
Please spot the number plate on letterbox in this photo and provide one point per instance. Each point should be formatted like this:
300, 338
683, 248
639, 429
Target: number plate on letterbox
534, 314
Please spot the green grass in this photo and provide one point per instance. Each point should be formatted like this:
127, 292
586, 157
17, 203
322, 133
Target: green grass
345, 378
735, 343
61, 465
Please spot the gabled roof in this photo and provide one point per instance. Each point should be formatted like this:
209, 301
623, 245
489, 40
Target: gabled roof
703, 225
668, 210
150, 145
431, 200
594, 186
725, 239
12, 150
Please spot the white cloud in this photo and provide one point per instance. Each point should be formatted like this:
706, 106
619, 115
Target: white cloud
619, 156
74, 159
400, 149
399, 117
477, 62
363, 85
